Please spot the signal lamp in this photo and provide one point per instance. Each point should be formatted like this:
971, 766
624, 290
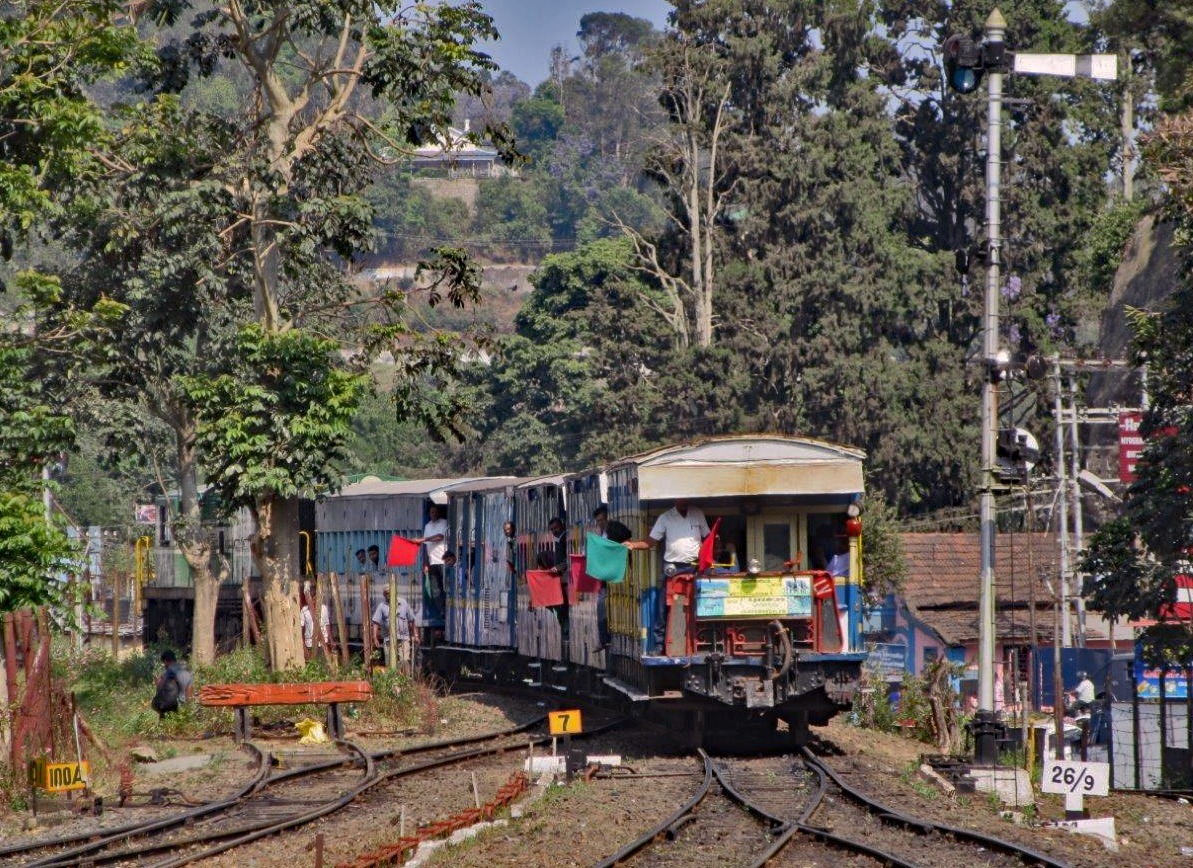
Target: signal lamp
962, 63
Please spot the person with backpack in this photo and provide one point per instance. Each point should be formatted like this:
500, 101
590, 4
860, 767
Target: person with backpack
173, 686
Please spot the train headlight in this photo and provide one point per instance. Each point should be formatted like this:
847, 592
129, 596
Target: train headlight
753, 567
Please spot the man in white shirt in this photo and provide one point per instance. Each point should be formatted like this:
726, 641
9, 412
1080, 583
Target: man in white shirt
1083, 696
435, 539
405, 627
308, 626
681, 529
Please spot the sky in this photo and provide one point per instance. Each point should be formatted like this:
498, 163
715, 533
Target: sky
529, 29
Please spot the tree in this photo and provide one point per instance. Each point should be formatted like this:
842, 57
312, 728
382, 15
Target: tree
50, 52
33, 433
511, 214
687, 161
333, 91
536, 122
1138, 579
410, 221
577, 384
147, 237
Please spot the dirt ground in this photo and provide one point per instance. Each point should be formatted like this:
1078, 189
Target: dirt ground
580, 823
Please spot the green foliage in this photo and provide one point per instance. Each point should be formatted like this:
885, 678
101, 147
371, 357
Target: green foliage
884, 568
1159, 41
1121, 584
279, 420
50, 53
409, 220
516, 219
32, 552
33, 432
536, 122
1139, 578
1105, 243
577, 382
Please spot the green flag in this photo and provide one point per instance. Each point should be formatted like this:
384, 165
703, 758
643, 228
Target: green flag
605, 559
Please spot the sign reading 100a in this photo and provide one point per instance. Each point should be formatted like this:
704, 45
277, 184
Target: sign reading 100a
59, 777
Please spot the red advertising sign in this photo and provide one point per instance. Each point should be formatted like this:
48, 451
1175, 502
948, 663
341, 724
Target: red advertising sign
1130, 445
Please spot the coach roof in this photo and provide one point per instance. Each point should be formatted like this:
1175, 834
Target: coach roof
748, 465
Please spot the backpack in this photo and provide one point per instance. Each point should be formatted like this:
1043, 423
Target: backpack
166, 698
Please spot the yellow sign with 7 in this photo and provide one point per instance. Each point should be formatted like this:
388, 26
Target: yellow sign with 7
565, 722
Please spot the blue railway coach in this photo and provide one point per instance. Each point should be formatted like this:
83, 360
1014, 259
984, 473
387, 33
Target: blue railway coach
354, 528
768, 633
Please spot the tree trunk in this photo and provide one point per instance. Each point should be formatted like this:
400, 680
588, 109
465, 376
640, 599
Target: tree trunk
1127, 121
115, 614
275, 549
8, 692
194, 542
207, 595
341, 624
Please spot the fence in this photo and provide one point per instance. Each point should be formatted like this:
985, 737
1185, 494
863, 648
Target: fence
1151, 733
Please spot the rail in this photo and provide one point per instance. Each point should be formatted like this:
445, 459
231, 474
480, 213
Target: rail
671, 821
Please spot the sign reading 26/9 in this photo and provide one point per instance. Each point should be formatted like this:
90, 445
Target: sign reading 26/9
1070, 777
565, 722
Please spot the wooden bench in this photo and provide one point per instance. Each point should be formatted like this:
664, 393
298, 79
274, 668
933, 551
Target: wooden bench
242, 697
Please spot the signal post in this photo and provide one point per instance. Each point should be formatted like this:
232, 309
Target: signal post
965, 64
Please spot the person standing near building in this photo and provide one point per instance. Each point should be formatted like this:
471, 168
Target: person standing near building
308, 623
435, 539
172, 687
1083, 696
557, 557
407, 634
681, 530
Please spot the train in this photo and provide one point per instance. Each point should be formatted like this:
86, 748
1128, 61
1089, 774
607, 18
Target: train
766, 638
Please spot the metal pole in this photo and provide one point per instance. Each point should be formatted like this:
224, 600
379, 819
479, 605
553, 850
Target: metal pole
1078, 528
1062, 502
985, 724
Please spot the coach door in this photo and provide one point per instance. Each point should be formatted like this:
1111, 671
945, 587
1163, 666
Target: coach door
774, 539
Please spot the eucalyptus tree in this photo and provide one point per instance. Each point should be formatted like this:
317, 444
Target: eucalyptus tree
227, 242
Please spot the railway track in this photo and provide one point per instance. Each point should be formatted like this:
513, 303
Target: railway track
268, 804
798, 811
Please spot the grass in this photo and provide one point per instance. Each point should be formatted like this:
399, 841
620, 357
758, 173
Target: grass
910, 776
113, 697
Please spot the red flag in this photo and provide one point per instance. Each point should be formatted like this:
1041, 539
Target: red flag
545, 588
582, 583
707, 548
402, 552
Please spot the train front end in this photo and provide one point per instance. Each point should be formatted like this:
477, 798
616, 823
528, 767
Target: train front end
767, 627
